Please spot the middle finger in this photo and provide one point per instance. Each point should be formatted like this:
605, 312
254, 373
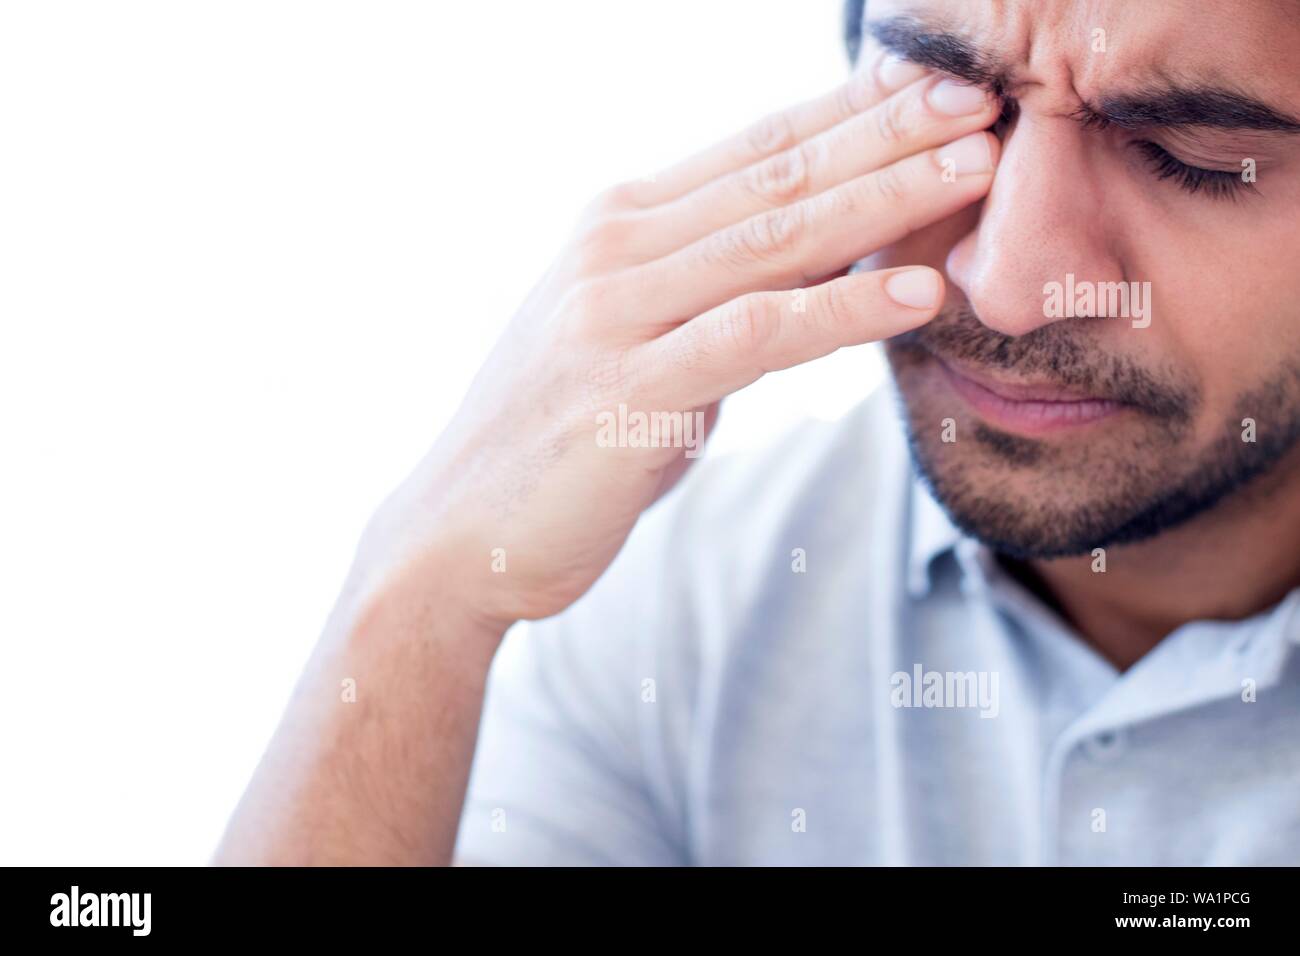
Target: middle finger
928, 113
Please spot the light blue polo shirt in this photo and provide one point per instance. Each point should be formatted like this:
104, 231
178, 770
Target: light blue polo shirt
797, 659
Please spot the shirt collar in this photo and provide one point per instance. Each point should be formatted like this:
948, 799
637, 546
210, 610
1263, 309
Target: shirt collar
932, 534
1272, 636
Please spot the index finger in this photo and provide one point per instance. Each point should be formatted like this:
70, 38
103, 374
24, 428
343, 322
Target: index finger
879, 75
735, 344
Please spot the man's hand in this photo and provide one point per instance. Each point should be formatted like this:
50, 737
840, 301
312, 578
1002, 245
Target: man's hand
675, 292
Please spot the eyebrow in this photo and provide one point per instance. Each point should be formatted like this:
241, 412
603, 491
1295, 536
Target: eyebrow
1169, 106
937, 49
1201, 106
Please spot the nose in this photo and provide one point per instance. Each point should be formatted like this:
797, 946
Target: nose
1045, 218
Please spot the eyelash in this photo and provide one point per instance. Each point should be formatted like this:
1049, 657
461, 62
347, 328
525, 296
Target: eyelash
1215, 183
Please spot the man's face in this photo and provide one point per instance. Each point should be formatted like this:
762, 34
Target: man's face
1131, 136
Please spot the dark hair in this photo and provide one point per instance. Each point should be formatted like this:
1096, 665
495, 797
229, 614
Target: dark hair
853, 27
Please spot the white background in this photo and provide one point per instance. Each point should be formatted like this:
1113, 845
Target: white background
250, 255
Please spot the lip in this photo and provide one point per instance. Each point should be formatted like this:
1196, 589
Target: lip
1027, 408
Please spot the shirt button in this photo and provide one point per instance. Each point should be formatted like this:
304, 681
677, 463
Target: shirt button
1105, 746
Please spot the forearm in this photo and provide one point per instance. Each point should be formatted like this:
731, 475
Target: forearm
674, 293
370, 762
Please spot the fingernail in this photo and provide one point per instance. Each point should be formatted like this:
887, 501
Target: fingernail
957, 99
915, 288
894, 73
970, 154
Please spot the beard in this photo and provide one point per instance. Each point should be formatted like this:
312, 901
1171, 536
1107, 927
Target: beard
1033, 499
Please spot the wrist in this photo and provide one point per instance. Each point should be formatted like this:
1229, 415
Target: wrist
418, 603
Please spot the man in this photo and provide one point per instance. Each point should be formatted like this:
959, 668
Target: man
1069, 635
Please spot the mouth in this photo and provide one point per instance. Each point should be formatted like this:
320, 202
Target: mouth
1026, 408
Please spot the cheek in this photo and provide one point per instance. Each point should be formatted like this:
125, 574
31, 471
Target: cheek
1231, 365
1223, 329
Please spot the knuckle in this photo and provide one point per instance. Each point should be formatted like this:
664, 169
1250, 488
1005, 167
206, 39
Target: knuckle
835, 308
747, 324
727, 248
891, 120
888, 185
772, 235
838, 204
601, 244
587, 306
782, 178
853, 96
620, 197
771, 134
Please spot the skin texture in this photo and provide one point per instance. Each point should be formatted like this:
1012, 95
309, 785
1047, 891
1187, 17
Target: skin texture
676, 292
673, 293
1196, 522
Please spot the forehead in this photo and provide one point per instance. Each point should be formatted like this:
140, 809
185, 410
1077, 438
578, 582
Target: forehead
1242, 43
